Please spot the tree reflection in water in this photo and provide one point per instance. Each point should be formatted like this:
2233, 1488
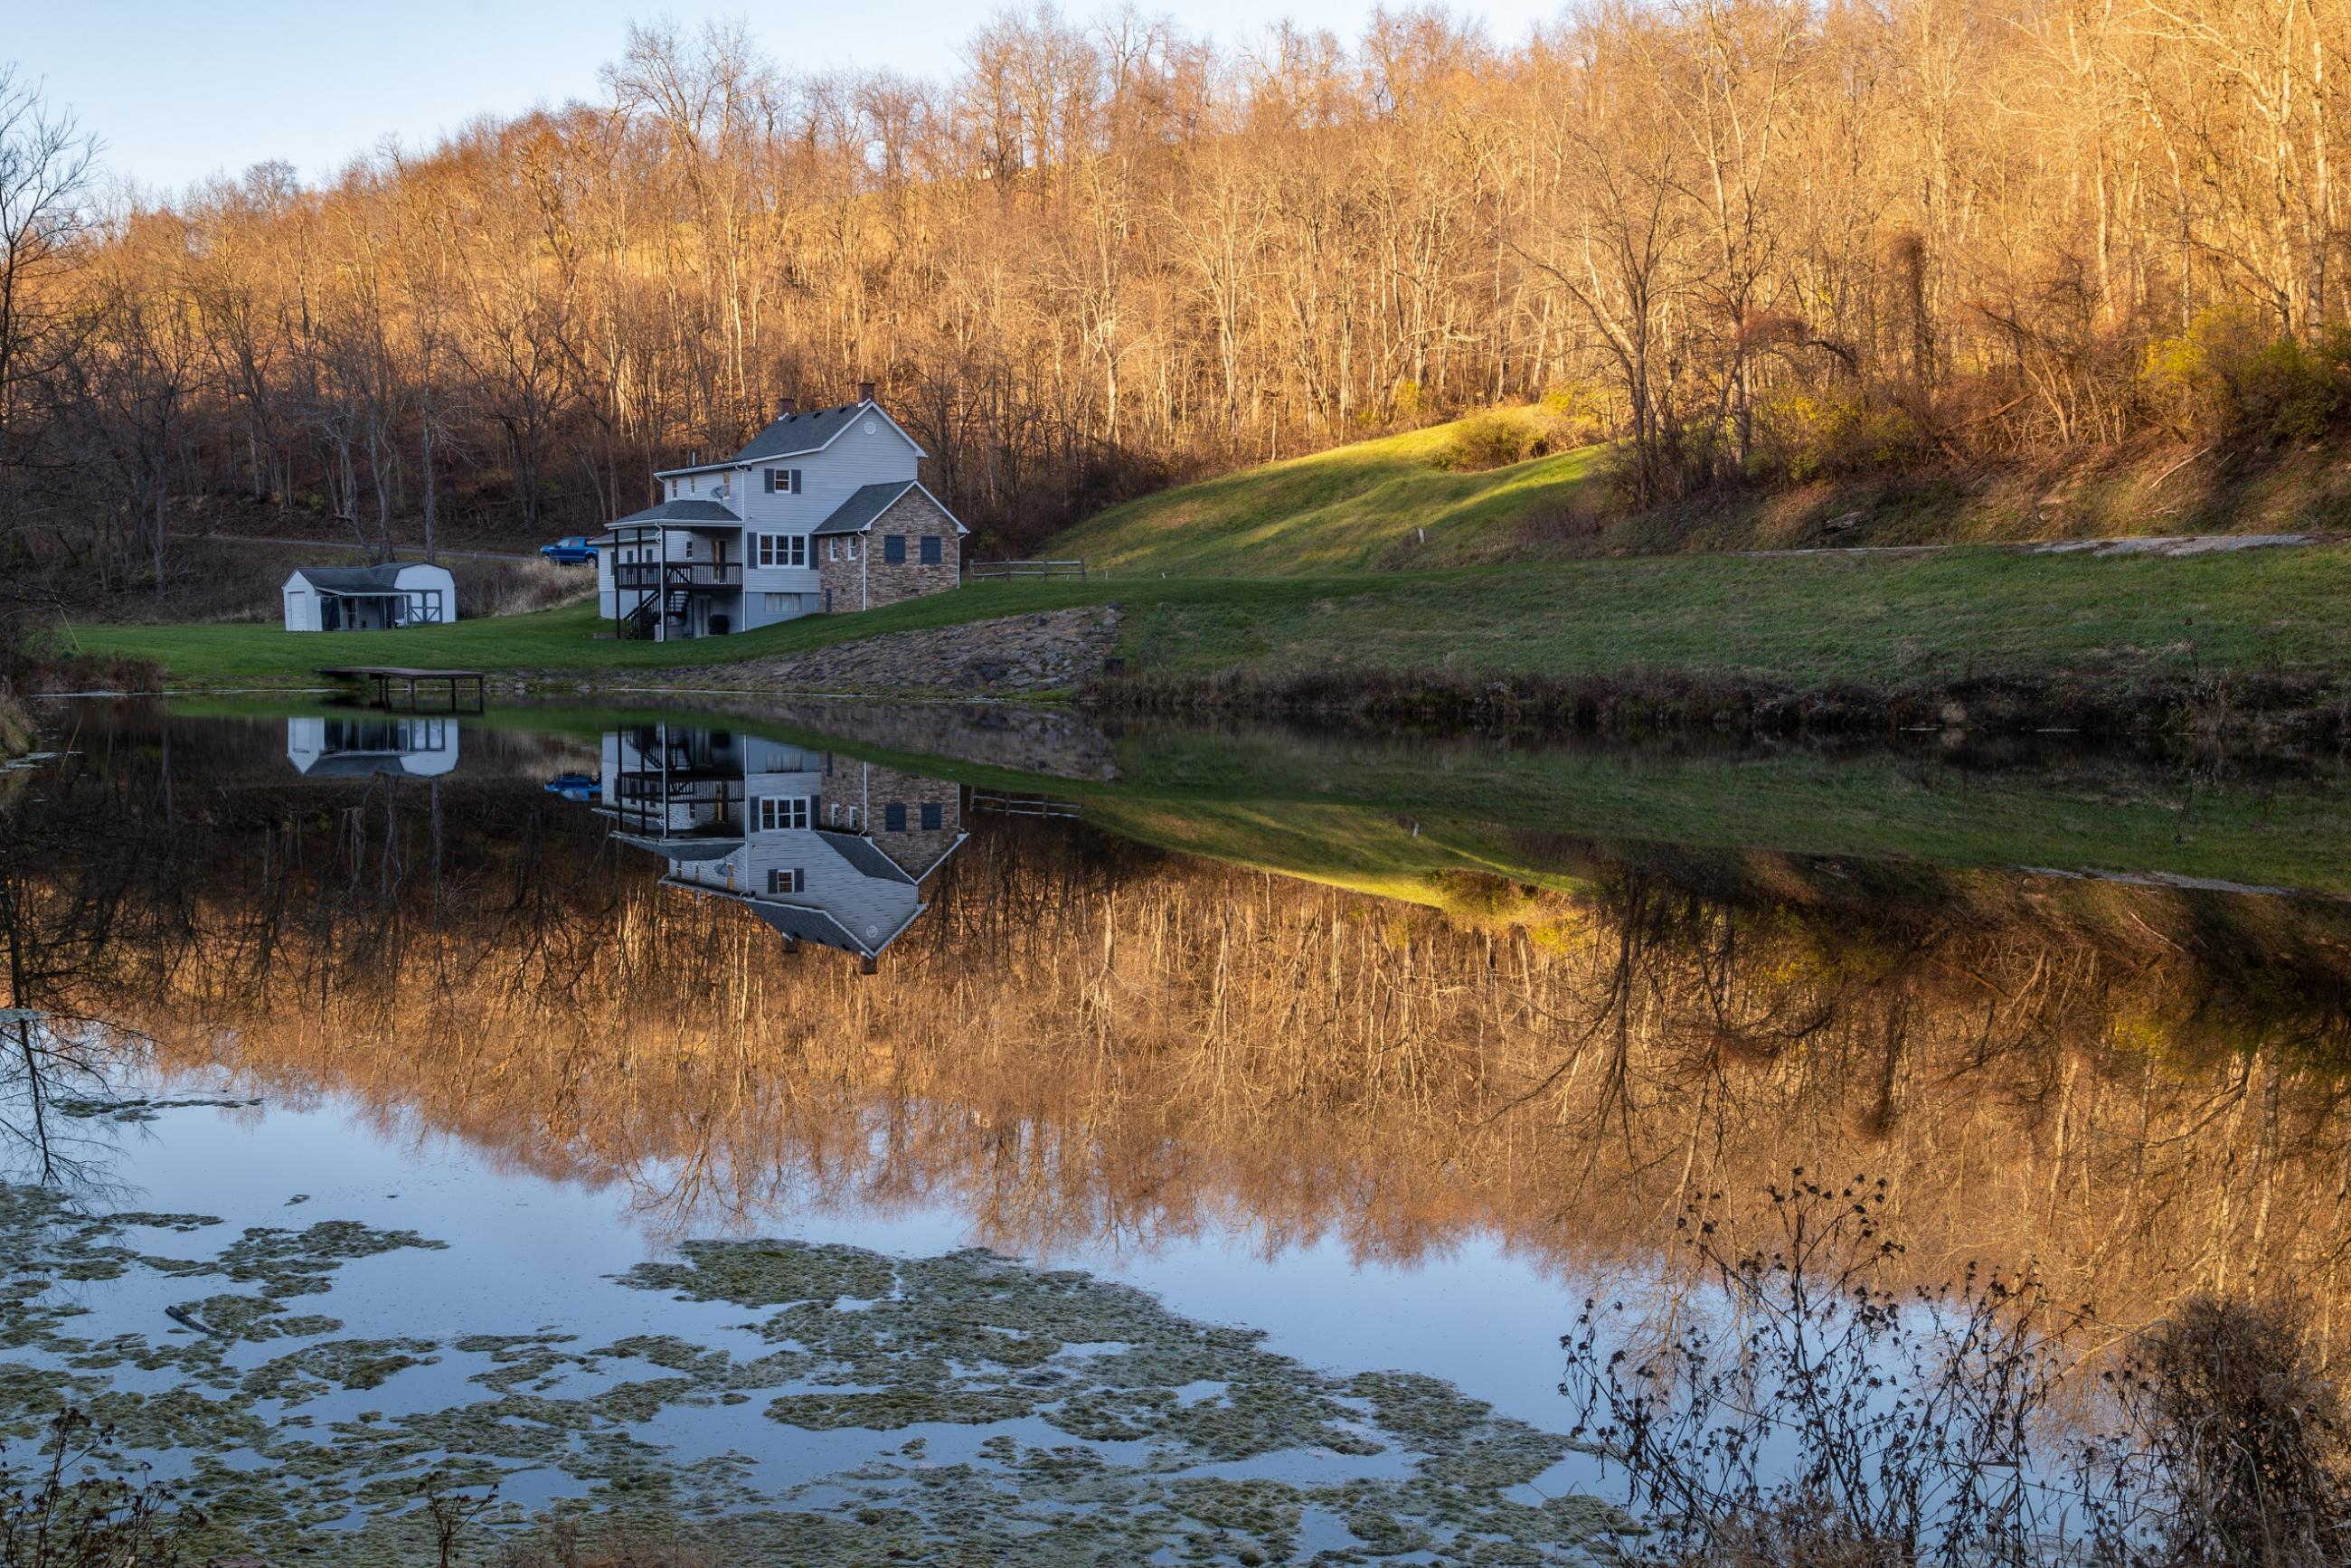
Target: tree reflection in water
1083, 1042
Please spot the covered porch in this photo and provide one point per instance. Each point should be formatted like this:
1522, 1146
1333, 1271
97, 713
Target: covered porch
673, 580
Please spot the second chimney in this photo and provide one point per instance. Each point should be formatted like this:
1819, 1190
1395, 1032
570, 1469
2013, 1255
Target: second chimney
865, 392
787, 407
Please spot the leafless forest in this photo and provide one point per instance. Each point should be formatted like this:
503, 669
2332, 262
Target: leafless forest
1753, 240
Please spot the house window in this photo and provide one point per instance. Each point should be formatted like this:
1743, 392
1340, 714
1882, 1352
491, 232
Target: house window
930, 550
781, 549
934, 816
894, 817
832, 813
780, 880
848, 547
779, 813
781, 481
894, 549
833, 548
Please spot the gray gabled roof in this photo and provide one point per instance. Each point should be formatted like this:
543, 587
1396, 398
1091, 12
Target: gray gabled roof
868, 502
800, 923
804, 922
798, 433
686, 509
860, 852
382, 579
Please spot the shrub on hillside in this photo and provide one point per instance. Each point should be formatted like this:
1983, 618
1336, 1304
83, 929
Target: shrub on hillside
1493, 439
2231, 374
1801, 438
1573, 415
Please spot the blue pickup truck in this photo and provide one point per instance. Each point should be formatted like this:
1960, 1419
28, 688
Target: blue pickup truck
573, 551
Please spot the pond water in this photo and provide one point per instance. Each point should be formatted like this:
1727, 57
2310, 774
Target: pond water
857, 1134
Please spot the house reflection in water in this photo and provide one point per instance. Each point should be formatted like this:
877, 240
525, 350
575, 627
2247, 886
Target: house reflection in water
350, 745
824, 847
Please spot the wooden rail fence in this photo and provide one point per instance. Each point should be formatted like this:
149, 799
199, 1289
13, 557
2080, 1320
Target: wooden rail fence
1005, 571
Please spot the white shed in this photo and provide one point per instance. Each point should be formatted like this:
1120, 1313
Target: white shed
370, 598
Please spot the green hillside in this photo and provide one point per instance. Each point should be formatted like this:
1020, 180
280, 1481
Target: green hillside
1351, 508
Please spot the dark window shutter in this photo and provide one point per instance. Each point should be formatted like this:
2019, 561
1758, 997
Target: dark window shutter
933, 816
767, 480
894, 817
894, 548
795, 481
930, 550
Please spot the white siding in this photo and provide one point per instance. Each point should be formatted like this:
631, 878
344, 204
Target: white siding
301, 605
858, 456
420, 577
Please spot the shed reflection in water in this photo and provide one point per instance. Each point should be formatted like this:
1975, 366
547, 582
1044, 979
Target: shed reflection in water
1078, 1043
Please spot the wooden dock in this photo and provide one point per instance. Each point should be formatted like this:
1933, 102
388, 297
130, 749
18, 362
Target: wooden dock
414, 686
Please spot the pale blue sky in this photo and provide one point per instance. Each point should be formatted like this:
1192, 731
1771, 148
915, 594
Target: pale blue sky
183, 88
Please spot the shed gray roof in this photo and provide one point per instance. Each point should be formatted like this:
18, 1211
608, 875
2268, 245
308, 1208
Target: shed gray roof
686, 509
358, 765
383, 578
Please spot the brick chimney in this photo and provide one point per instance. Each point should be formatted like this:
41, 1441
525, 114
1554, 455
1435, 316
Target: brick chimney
787, 407
865, 392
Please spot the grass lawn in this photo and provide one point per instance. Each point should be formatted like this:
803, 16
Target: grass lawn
561, 639
1351, 508
1807, 621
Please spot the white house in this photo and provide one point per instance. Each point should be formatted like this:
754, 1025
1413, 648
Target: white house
819, 511
369, 598
826, 849
347, 746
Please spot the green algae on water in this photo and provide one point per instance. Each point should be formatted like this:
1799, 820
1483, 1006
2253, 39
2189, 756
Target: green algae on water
953, 1409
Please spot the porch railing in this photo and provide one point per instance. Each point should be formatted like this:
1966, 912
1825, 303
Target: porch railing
665, 575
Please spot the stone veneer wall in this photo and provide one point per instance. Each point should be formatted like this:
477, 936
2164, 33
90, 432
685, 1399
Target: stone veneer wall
839, 578
914, 515
915, 850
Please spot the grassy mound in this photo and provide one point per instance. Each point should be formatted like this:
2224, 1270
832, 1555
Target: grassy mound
1375, 503
1405, 501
